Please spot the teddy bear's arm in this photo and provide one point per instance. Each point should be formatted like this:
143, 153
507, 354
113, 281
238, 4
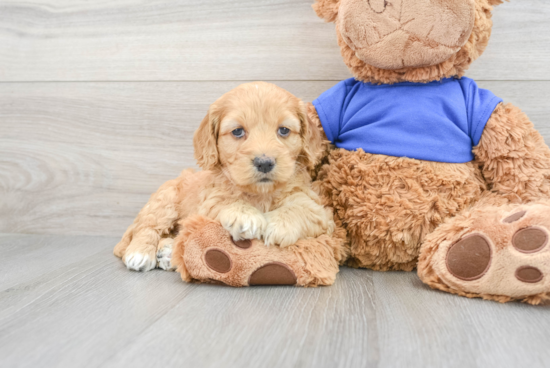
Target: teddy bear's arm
514, 159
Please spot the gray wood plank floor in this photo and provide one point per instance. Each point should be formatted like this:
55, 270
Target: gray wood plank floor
66, 301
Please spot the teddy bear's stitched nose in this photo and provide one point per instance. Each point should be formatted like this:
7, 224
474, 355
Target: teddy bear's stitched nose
378, 5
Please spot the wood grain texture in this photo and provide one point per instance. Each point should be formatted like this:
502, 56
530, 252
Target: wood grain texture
87, 310
26, 256
83, 158
132, 40
96, 151
417, 324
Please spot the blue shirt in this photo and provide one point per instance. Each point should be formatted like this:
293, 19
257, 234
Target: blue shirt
438, 121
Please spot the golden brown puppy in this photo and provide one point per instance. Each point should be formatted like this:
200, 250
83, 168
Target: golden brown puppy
256, 146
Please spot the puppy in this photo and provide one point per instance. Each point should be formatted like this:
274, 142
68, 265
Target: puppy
256, 147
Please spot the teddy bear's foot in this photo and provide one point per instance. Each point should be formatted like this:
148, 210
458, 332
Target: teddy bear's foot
205, 252
212, 255
498, 253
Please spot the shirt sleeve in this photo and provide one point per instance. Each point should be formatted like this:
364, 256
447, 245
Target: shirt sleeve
329, 107
481, 103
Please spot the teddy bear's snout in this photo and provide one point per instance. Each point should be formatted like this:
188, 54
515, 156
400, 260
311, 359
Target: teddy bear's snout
378, 5
395, 34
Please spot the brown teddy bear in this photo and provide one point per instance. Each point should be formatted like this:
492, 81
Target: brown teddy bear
430, 171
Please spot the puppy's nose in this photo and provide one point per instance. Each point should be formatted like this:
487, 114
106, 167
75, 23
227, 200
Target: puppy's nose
264, 164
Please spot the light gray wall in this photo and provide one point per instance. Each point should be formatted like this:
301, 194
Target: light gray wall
99, 100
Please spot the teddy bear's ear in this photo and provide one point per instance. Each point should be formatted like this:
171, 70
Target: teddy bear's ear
328, 9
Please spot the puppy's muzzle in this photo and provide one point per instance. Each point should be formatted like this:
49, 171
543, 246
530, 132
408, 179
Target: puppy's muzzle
264, 164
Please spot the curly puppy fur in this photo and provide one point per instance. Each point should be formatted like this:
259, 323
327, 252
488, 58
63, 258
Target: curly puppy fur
255, 124
397, 209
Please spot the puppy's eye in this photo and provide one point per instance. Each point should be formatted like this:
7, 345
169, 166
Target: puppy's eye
238, 133
284, 132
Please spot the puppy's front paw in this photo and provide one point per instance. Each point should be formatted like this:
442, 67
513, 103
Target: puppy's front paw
281, 232
247, 224
141, 262
164, 255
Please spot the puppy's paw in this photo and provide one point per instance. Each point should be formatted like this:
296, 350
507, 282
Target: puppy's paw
276, 235
246, 224
281, 232
141, 262
164, 255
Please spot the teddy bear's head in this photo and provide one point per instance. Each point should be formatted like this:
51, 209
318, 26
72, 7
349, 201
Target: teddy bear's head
390, 41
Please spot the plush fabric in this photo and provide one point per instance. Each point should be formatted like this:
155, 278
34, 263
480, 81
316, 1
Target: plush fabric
313, 261
388, 204
477, 229
439, 121
455, 65
500, 282
405, 33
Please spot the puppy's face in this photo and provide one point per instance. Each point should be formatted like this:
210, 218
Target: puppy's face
260, 133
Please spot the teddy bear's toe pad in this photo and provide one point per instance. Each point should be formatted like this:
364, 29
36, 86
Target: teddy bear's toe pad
470, 258
515, 217
529, 274
530, 240
274, 273
218, 260
243, 244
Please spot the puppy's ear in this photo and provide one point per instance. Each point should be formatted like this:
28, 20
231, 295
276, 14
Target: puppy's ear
205, 142
495, 2
328, 9
313, 140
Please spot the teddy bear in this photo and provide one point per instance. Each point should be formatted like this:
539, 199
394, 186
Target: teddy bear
426, 170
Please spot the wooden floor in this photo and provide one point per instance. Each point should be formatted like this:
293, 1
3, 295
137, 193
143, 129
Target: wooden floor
66, 301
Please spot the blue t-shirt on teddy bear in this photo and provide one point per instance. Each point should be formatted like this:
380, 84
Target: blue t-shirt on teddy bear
439, 121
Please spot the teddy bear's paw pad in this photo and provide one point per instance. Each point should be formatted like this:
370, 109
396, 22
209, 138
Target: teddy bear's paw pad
470, 258
274, 273
514, 217
218, 260
529, 274
530, 240
243, 244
